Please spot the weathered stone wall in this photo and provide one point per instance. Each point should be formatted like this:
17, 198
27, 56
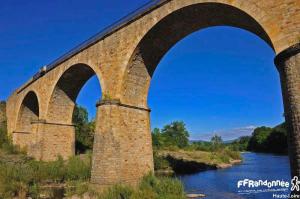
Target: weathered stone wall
122, 146
124, 62
288, 64
57, 140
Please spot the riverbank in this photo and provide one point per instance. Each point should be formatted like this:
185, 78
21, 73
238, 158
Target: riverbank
22, 177
187, 162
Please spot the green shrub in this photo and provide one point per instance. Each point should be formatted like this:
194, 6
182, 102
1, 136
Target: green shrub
118, 192
3, 136
160, 162
25, 175
55, 171
77, 188
77, 169
10, 148
151, 187
162, 187
233, 154
15, 179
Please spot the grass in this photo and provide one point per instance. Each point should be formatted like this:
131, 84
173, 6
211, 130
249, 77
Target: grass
151, 187
22, 175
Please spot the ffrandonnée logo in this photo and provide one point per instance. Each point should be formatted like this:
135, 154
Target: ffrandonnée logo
248, 186
295, 184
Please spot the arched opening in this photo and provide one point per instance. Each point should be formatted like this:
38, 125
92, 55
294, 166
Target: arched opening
24, 136
215, 69
224, 90
84, 115
65, 117
169, 31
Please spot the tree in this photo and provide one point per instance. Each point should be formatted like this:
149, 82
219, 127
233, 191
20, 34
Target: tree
259, 138
216, 142
240, 144
277, 140
84, 130
176, 134
157, 138
80, 115
271, 140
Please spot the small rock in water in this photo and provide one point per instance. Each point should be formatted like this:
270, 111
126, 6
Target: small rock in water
195, 195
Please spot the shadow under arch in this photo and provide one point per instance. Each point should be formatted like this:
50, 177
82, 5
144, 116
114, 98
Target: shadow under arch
170, 30
29, 112
60, 130
66, 91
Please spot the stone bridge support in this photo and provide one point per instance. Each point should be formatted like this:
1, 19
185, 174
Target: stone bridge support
57, 140
122, 151
288, 64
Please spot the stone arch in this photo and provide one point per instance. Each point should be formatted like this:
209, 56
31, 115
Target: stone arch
66, 90
171, 29
60, 132
29, 112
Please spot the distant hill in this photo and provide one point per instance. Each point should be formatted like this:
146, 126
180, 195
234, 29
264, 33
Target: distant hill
203, 141
197, 141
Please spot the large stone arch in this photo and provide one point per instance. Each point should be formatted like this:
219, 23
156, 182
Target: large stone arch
171, 29
127, 120
65, 92
154, 44
60, 131
26, 128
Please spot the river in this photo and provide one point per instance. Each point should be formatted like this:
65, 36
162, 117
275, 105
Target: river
222, 184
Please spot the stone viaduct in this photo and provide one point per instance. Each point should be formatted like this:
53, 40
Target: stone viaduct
124, 58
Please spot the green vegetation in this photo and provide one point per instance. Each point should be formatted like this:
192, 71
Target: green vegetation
263, 139
151, 187
270, 140
174, 152
22, 176
174, 135
5, 142
240, 144
84, 130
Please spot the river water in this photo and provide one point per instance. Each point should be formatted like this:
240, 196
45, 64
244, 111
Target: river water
222, 184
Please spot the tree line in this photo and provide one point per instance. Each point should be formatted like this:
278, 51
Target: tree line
264, 139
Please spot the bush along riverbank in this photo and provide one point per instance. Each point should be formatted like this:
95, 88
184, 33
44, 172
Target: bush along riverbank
174, 154
188, 162
264, 140
22, 177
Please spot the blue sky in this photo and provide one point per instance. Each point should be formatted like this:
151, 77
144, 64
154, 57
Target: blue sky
218, 80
